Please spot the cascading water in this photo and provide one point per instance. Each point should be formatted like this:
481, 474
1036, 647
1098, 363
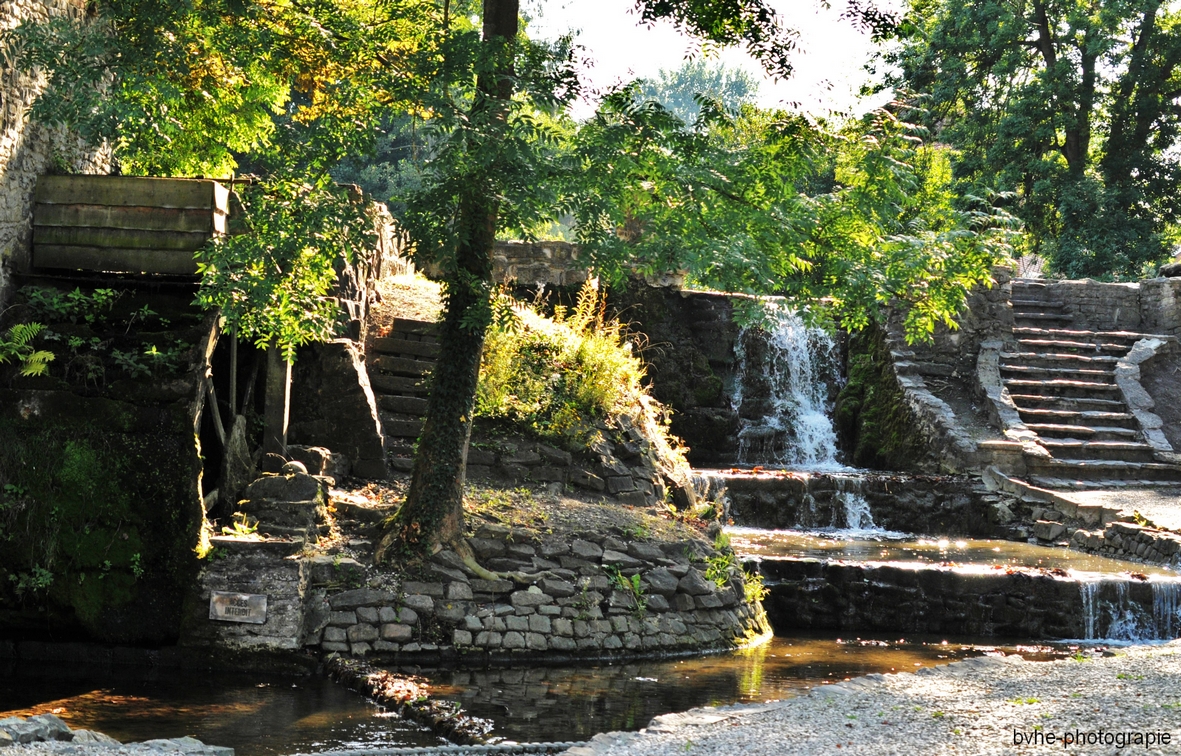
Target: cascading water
781, 393
1110, 612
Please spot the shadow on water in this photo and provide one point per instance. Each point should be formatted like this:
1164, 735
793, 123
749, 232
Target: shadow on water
282, 716
256, 717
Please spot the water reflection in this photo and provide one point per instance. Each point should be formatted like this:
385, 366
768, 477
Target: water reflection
567, 703
898, 547
255, 717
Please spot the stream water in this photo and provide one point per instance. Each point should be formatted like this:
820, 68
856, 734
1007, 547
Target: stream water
284, 716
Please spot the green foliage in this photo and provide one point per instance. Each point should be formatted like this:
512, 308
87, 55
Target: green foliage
764, 202
189, 87
17, 344
1067, 103
273, 283
57, 306
556, 377
630, 586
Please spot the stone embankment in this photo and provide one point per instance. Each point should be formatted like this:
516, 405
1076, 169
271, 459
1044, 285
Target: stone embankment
602, 595
47, 733
1112, 703
615, 592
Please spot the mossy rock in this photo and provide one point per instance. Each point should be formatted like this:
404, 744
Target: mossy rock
872, 420
99, 512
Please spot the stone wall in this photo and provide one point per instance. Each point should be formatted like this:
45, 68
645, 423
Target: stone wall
1160, 306
579, 610
943, 505
28, 150
548, 263
815, 595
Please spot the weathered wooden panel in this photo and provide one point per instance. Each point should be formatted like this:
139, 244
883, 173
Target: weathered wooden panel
118, 237
115, 259
145, 218
133, 191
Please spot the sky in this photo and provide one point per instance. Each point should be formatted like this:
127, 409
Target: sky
828, 62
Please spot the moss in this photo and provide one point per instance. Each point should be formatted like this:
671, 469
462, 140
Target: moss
95, 503
872, 418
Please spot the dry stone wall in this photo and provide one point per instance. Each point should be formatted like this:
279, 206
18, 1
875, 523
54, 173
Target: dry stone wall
579, 610
28, 150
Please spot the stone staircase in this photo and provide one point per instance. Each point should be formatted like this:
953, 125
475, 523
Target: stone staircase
1062, 380
399, 366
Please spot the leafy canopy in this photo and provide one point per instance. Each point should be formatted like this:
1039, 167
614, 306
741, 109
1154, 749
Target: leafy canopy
1070, 104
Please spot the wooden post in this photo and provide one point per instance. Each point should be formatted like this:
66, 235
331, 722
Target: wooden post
278, 403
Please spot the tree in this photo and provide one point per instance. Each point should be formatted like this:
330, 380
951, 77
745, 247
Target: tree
678, 89
1070, 103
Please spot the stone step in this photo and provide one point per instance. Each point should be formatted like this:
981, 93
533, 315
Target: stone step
1067, 431
1034, 317
421, 327
1101, 470
1099, 484
1089, 374
399, 346
400, 426
1063, 387
1066, 403
403, 405
1131, 337
1122, 451
1056, 359
1074, 346
1073, 418
404, 366
1052, 304
383, 383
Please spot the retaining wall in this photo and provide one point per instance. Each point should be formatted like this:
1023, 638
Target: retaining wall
28, 150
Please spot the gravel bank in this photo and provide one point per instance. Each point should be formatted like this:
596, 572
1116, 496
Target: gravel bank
977, 706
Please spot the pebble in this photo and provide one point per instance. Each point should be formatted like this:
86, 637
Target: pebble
983, 706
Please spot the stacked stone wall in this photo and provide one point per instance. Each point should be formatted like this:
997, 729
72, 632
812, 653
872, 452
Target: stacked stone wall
28, 150
579, 610
1160, 306
1099, 306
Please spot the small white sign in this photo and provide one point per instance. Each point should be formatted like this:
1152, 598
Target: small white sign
238, 607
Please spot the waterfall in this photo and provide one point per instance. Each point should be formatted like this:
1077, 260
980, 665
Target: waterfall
857, 514
1114, 615
782, 394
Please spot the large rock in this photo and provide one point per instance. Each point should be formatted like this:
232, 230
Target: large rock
332, 405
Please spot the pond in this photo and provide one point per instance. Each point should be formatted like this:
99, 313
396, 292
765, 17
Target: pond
281, 716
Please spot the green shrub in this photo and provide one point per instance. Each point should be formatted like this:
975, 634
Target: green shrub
557, 376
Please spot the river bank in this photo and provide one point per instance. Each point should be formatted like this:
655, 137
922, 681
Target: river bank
987, 705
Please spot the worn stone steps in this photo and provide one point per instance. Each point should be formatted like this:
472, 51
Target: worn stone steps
1074, 418
1083, 432
400, 364
1042, 317
1063, 387
1074, 346
1104, 471
1124, 451
1041, 303
1069, 334
1055, 359
1091, 374
1066, 403
1102, 483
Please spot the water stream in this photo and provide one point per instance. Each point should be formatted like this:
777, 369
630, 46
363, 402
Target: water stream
781, 392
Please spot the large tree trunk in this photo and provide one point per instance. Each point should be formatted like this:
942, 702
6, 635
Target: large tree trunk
433, 512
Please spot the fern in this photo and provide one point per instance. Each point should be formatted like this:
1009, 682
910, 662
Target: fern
18, 343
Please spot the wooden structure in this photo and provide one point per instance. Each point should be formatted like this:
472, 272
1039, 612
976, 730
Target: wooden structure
125, 224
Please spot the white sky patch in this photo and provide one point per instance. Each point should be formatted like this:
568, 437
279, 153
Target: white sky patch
829, 61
